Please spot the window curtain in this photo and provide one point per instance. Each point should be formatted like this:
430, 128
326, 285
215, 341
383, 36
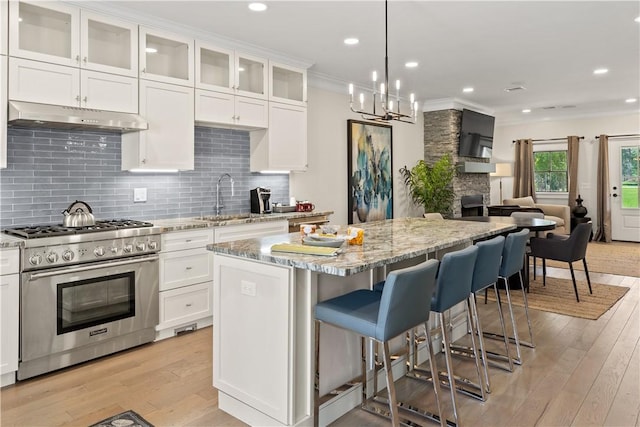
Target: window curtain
603, 207
573, 148
523, 180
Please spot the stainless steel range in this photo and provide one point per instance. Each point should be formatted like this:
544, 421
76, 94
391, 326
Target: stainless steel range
85, 292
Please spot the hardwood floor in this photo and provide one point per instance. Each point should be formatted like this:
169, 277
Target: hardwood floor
581, 373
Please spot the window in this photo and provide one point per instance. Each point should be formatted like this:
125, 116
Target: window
550, 171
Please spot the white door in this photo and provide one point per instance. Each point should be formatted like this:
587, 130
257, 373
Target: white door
624, 158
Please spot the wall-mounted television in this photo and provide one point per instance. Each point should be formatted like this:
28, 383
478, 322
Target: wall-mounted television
476, 134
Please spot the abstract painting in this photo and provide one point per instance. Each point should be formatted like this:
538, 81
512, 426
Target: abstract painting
369, 171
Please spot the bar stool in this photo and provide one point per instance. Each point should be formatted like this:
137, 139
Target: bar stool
381, 316
453, 285
512, 261
485, 275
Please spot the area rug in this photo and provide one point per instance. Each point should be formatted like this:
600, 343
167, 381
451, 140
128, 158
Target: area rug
621, 258
125, 419
558, 297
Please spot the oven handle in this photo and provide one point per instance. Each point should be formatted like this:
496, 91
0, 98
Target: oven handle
74, 269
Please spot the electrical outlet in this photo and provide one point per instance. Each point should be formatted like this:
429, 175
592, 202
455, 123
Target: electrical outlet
139, 195
248, 288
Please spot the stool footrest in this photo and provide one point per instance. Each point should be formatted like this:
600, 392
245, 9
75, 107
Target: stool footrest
511, 339
463, 385
492, 357
411, 415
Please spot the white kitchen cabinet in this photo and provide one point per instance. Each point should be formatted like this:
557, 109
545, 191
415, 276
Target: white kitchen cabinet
283, 146
9, 315
46, 83
169, 141
58, 33
228, 110
287, 84
186, 281
4, 27
3, 110
166, 57
215, 68
251, 76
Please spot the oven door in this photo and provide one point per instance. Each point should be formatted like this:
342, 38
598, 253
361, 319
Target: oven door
67, 308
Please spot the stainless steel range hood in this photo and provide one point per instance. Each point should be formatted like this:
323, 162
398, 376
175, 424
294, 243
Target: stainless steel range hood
32, 114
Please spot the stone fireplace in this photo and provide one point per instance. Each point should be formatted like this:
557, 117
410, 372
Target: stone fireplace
441, 134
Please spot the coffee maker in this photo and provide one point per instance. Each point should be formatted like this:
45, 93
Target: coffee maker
260, 203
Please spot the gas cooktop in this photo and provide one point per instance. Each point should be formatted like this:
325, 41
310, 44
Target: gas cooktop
50, 230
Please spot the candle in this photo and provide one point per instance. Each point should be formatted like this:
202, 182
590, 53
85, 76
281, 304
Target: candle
381, 88
351, 92
412, 97
361, 100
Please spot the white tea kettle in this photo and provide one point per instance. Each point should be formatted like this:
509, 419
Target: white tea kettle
78, 214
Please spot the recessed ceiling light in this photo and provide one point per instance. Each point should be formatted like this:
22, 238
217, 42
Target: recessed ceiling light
467, 90
257, 7
411, 64
630, 100
351, 41
241, 69
637, 19
600, 71
526, 110
151, 50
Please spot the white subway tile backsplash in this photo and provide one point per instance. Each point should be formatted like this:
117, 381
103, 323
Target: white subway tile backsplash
49, 169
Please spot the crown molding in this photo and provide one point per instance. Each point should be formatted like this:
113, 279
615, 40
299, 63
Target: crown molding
454, 104
533, 120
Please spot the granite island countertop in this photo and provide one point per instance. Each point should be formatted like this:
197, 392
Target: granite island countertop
385, 242
178, 224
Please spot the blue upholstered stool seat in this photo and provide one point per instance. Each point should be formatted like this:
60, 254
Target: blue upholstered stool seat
356, 311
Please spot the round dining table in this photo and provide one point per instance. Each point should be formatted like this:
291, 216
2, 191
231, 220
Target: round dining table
533, 224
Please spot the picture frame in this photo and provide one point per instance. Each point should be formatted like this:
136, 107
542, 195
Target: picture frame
369, 171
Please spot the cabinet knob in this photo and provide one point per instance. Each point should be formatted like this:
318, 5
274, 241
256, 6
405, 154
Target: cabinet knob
143, 161
188, 305
85, 59
238, 118
144, 70
188, 268
78, 58
85, 99
78, 98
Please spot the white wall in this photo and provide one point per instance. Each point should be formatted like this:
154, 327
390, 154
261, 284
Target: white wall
325, 181
503, 150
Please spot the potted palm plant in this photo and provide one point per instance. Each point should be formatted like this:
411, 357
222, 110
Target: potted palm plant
430, 186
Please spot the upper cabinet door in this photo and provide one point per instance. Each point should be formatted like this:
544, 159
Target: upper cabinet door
166, 57
34, 81
251, 76
108, 45
287, 84
214, 68
45, 31
4, 27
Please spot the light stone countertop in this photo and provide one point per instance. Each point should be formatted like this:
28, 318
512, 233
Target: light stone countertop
7, 241
385, 242
179, 224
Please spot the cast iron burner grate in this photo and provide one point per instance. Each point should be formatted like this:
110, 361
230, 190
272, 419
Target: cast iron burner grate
50, 230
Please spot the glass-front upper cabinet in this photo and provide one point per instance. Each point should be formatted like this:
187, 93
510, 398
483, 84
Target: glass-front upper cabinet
287, 84
166, 57
61, 34
251, 76
109, 45
214, 68
44, 31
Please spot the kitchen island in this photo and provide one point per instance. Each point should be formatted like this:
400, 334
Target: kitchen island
263, 332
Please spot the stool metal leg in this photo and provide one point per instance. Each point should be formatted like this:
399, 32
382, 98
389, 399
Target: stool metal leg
505, 336
479, 356
447, 355
475, 318
436, 384
526, 312
316, 380
391, 388
513, 323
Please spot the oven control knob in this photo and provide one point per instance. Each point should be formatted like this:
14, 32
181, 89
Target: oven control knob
35, 259
140, 246
128, 247
113, 250
67, 255
153, 245
52, 257
99, 251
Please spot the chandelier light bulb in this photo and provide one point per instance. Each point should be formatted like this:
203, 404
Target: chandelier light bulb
390, 105
412, 98
397, 84
350, 88
375, 76
361, 100
381, 88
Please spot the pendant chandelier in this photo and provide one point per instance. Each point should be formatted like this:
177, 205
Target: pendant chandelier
388, 110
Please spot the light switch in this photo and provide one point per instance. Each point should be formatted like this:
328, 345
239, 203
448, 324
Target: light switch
139, 195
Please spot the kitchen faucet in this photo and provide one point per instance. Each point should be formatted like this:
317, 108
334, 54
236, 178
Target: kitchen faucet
218, 205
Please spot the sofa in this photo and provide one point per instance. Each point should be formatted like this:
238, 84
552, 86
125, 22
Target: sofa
561, 214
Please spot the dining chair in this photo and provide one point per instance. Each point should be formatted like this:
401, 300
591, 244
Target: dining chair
535, 215
401, 305
564, 248
433, 215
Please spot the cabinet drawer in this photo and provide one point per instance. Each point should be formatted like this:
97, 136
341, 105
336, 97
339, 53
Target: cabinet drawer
192, 239
186, 304
229, 233
9, 261
178, 269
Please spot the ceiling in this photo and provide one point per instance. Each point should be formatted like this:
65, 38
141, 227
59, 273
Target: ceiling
549, 47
